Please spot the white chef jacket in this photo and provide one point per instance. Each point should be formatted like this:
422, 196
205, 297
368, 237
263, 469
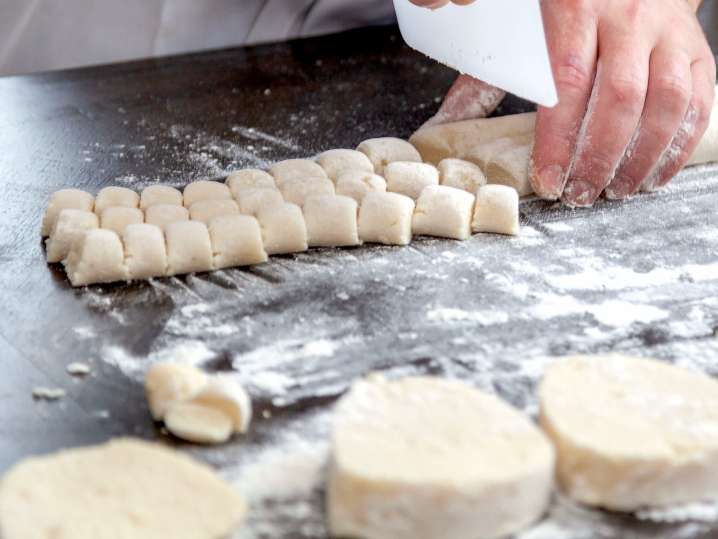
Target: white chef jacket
40, 35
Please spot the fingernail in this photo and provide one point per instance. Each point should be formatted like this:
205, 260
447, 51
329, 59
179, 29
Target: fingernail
579, 193
549, 182
619, 189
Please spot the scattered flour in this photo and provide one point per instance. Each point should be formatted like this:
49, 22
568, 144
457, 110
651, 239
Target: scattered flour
191, 352
487, 318
703, 512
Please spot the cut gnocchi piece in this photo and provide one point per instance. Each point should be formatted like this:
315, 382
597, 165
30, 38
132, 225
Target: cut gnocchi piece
145, 251
198, 424
511, 168
297, 191
206, 210
461, 174
331, 221
384, 150
444, 212
252, 201
69, 226
204, 190
408, 178
116, 196
65, 199
163, 214
189, 248
295, 169
96, 257
160, 194
249, 178
357, 183
283, 229
496, 210
118, 217
386, 218
335, 162
236, 241
229, 397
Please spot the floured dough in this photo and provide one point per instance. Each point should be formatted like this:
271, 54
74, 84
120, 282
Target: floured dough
410, 178
188, 247
444, 212
631, 432
254, 200
283, 229
74, 199
295, 169
335, 162
297, 191
198, 424
125, 488
331, 221
461, 174
145, 251
482, 154
118, 217
236, 241
160, 194
206, 210
511, 167
164, 214
250, 178
496, 210
357, 183
427, 458
386, 218
115, 196
384, 150
226, 395
204, 190
168, 383
96, 257
69, 226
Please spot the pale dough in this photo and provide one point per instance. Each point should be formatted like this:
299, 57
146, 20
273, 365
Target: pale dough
118, 217
227, 396
236, 241
160, 194
496, 210
69, 226
250, 178
126, 488
357, 183
386, 218
253, 200
115, 196
331, 221
145, 251
295, 169
444, 212
297, 191
198, 424
188, 247
96, 257
482, 154
335, 162
164, 214
511, 167
283, 229
73, 199
427, 458
410, 178
384, 150
461, 174
168, 383
204, 190
206, 210
631, 432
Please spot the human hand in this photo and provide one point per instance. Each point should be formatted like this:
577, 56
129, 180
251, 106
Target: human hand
435, 4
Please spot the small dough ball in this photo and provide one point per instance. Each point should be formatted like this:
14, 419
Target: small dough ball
205, 190
145, 251
69, 226
253, 201
386, 218
511, 167
631, 432
496, 210
428, 457
297, 191
283, 229
461, 174
227, 396
73, 199
357, 183
444, 212
410, 178
334, 162
384, 150
164, 214
125, 488
160, 194
206, 210
116, 196
198, 424
188, 247
118, 217
331, 221
167, 383
484, 153
295, 169
236, 241
97, 257
250, 178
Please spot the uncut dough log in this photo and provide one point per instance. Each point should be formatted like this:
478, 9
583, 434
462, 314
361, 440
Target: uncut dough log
631, 432
331, 221
160, 194
124, 488
357, 183
496, 210
167, 383
511, 168
145, 251
461, 174
227, 396
384, 150
335, 162
422, 458
204, 190
297, 191
73, 199
444, 212
69, 226
249, 178
164, 214
707, 149
206, 210
236, 241
409, 178
96, 257
188, 247
295, 169
115, 196
116, 218
386, 218
198, 424
283, 229
484, 153
253, 201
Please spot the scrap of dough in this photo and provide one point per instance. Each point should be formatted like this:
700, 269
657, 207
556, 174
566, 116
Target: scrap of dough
422, 458
409, 178
48, 394
384, 150
236, 241
206, 210
198, 424
189, 248
96, 257
444, 212
115, 196
631, 432
118, 217
78, 369
484, 153
254, 200
164, 214
297, 191
73, 199
228, 397
357, 183
295, 169
461, 174
283, 229
511, 167
69, 226
249, 178
167, 383
204, 190
386, 218
160, 194
496, 210
335, 162
145, 251
331, 221
124, 488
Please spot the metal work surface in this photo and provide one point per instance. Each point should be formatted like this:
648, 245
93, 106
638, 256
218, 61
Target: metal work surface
639, 277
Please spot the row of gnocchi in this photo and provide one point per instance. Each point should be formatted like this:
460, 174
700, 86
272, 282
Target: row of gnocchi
336, 201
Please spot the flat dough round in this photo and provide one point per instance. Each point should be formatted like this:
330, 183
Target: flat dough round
631, 432
428, 457
125, 488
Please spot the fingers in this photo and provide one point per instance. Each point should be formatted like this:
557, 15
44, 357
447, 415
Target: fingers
431, 4
468, 98
572, 41
669, 93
